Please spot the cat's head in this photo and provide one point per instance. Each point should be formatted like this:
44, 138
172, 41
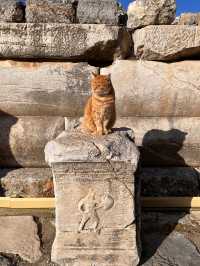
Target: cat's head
101, 85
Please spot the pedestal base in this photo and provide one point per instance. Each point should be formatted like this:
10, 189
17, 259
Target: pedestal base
95, 199
68, 255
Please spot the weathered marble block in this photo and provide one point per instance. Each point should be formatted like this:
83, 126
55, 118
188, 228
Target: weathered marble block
26, 183
154, 89
101, 12
142, 13
95, 199
79, 42
48, 11
167, 42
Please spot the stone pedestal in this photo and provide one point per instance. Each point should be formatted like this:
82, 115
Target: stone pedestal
95, 199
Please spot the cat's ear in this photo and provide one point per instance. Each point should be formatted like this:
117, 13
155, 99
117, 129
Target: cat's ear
94, 75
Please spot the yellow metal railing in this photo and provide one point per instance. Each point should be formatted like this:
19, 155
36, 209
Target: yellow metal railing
147, 202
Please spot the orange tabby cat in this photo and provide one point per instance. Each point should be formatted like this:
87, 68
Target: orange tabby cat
100, 115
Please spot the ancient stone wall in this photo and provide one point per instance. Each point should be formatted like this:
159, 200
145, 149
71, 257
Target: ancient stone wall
48, 51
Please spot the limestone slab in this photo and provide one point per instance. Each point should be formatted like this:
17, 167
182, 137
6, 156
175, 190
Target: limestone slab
27, 182
44, 88
142, 13
81, 42
156, 89
100, 12
95, 198
22, 139
167, 43
48, 11
19, 236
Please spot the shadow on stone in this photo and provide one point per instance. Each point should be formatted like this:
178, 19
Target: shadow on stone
7, 156
162, 148
165, 146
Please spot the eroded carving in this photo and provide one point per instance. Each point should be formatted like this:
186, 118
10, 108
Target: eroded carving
89, 205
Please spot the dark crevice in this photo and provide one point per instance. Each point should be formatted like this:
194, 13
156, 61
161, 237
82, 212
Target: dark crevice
39, 226
100, 64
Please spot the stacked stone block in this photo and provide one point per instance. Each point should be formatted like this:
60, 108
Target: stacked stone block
45, 71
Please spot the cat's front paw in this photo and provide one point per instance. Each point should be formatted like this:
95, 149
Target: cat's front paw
107, 131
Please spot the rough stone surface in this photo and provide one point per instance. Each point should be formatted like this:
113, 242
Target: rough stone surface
76, 146
100, 12
48, 11
11, 11
27, 182
163, 141
96, 225
22, 139
170, 182
46, 230
167, 43
19, 236
142, 13
81, 42
189, 19
170, 239
149, 89
175, 250
166, 141
45, 88
4, 261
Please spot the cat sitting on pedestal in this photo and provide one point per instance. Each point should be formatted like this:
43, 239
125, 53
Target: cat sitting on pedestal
100, 114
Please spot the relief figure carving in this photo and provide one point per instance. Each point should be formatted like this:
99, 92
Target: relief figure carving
89, 207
